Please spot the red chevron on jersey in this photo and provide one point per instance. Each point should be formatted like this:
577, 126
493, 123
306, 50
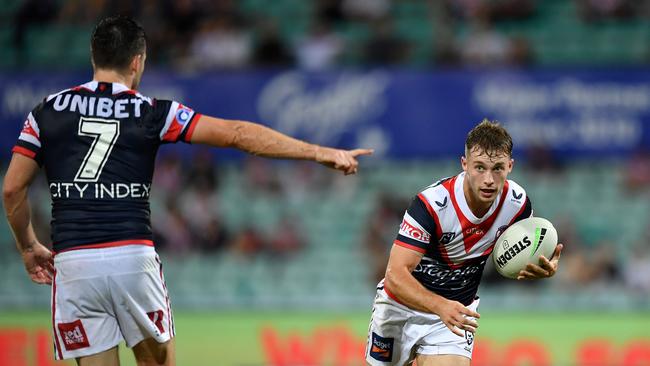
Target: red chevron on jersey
453, 263
472, 233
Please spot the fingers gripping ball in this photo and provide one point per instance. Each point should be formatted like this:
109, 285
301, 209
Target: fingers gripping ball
522, 243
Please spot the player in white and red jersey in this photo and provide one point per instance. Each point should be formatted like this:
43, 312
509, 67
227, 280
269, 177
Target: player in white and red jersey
97, 143
426, 306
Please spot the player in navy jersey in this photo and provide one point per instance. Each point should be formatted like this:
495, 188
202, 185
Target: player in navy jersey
97, 143
426, 306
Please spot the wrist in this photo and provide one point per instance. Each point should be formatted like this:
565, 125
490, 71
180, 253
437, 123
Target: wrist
26, 248
318, 153
436, 304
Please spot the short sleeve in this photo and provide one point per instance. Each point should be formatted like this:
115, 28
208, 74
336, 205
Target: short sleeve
525, 212
177, 121
29, 140
416, 227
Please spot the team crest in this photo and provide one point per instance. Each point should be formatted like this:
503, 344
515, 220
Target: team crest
500, 231
446, 238
469, 337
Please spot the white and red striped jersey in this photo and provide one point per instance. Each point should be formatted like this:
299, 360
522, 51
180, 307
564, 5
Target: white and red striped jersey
455, 243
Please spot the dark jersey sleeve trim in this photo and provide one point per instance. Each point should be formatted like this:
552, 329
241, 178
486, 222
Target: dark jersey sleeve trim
409, 246
412, 242
23, 151
186, 135
28, 150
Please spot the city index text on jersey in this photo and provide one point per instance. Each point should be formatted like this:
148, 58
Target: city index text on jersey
98, 107
100, 190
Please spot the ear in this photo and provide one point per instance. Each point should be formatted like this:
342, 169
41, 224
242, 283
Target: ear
463, 163
511, 164
135, 65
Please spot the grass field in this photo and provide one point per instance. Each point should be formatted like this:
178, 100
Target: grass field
285, 338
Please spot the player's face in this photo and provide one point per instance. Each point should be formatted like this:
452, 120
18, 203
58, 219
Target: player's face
485, 175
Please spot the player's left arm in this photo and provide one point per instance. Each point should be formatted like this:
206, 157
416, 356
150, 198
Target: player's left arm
37, 258
546, 267
260, 140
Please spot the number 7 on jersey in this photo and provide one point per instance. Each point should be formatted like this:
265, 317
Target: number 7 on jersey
104, 133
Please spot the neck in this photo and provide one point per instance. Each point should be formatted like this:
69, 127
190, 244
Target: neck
112, 76
478, 208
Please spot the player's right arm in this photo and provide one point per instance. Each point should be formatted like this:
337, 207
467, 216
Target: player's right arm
37, 258
259, 140
416, 235
411, 293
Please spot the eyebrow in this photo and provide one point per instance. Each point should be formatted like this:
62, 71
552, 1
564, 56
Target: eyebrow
498, 164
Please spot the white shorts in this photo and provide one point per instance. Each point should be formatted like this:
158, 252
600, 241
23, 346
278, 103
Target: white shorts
103, 296
397, 334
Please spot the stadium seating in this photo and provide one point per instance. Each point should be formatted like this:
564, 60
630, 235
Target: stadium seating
334, 270
556, 33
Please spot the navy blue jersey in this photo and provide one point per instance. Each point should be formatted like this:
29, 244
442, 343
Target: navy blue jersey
98, 144
456, 244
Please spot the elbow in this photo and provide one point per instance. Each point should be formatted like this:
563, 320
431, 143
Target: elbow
391, 279
10, 192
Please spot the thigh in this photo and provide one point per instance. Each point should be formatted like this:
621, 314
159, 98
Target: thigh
442, 360
389, 342
83, 321
141, 303
151, 353
107, 358
443, 342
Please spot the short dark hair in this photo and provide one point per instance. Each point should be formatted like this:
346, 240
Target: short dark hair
490, 137
115, 41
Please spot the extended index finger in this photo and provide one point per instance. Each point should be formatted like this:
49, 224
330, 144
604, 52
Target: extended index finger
358, 152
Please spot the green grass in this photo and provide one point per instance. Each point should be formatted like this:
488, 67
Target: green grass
236, 338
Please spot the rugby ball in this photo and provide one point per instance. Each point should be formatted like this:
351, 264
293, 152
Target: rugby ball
522, 243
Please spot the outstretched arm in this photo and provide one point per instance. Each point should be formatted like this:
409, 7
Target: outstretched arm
263, 141
411, 293
37, 258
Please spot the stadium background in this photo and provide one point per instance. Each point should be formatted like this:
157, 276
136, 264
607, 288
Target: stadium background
274, 263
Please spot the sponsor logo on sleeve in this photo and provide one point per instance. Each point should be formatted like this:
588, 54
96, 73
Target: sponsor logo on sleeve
73, 335
414, 232
28, 129
381, 348
183, 114
516, 196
